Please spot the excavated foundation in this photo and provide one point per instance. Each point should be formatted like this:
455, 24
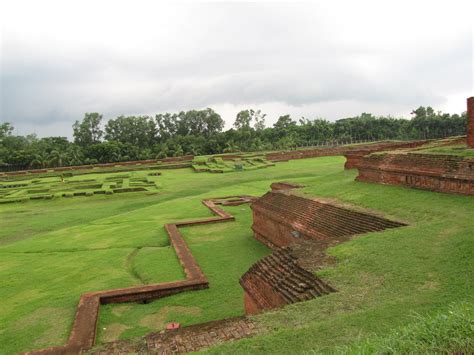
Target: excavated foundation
299, 230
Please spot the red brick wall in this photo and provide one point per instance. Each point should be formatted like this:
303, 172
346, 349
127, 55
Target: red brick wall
442, 173
470, 122
279, 233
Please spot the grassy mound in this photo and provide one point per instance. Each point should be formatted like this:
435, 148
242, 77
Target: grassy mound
51, 251
219, 165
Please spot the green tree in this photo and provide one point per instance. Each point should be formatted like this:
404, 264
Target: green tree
88, 131
41, 160
6, 129
139, 131
58, 157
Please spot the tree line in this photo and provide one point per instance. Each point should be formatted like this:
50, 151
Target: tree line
200, 132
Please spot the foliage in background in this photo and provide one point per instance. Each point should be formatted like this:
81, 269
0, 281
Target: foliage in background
200, 132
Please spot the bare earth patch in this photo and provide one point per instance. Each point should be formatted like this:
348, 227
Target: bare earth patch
113, 331
159, 320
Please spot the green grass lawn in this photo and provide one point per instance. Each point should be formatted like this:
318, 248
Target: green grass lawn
51, 251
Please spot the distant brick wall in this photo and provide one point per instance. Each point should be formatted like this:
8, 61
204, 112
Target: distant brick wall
341, 150
442, 173
354, 157
470, 122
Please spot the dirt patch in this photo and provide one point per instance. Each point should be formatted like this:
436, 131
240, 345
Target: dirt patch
158, 320
119, 310
113, 331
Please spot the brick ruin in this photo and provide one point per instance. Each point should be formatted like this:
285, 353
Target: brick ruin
298, 230
281, 219
470, 122
354, 157
434, 172
187, 339
447, 173
83, 332
279, 279
278, 186
340, 150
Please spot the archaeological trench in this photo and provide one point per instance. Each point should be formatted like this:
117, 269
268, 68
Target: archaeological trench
298, 229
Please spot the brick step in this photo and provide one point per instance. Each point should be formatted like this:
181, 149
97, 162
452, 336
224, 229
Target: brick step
281, 271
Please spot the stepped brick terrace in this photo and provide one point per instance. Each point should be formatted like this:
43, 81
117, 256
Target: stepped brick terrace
434, 172
299, 230
277, 280
281, 219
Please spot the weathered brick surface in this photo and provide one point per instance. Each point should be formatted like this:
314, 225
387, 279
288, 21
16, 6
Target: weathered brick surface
331, 151
442, 173
277, 280
280, 220
186, 339
299, 230
277, 186
470, 122
83, 331
354, 157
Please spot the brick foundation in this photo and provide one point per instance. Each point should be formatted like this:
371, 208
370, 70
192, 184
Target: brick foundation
281, 219
441, 173
278, 280
354, 157
186, 339
299, 230
83, 332
341, 150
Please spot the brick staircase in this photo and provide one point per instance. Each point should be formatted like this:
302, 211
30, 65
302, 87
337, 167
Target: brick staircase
284, 280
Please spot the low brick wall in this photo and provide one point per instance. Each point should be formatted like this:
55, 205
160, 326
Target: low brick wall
354, 157
442, 173
341, 150
83, 332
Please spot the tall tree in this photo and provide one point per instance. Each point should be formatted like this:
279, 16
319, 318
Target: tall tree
6, 129
88, 131
245, 118
139, 131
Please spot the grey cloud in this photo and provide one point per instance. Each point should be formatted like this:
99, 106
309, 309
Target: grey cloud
229, 54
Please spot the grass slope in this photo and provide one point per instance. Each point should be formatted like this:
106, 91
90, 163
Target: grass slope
52, 251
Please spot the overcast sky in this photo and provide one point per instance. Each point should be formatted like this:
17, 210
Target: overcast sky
330, 59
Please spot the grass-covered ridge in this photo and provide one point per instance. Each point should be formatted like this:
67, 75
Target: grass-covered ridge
69, 185
52, 251
220, 165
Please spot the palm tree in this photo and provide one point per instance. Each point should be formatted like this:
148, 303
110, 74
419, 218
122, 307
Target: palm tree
194, 149
40, 160
163, 153
231, 147
58, 157
178, 151
75, 155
